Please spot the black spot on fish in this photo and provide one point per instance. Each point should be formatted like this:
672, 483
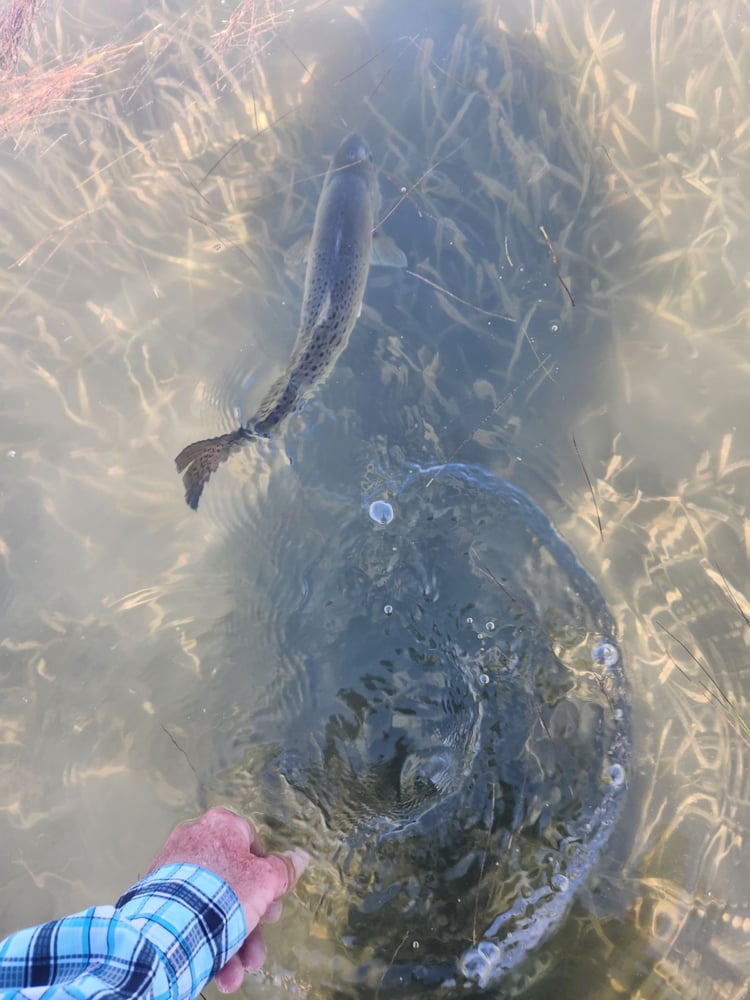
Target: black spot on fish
331, 304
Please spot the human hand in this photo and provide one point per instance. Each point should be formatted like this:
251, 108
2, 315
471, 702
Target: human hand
227, 845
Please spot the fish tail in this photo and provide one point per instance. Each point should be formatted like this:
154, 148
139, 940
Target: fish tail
201, 458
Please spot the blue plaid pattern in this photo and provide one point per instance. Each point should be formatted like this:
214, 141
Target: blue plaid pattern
163, 940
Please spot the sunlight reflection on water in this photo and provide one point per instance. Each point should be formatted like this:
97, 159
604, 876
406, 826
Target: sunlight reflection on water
143, 307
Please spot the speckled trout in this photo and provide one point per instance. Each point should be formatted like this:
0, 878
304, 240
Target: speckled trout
339, 252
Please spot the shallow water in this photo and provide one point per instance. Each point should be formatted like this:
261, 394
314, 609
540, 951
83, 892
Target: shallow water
145, 650
455, 731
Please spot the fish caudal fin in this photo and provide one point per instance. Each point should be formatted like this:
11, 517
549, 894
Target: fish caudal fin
201, 458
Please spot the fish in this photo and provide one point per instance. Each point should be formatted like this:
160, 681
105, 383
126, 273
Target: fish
339, 251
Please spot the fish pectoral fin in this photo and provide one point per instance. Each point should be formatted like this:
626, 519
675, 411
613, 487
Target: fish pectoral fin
298, 251
386, 252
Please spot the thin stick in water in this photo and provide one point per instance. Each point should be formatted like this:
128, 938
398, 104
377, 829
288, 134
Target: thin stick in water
591, 488
506, 398
731, 597
702, 667
183, 752
553, 255
419, 180
482, 867
399, 946
457, 298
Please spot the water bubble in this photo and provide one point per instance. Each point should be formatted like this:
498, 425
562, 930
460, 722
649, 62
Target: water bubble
554, 328
381, 512
560, 882
607, 654
11, 453
480, 962
388, 609
616, 775
469, 621
490, 626
484, 679
415, 945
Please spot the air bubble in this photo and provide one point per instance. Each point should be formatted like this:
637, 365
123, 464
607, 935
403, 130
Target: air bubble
469, 621
560, 882
607, 654
479, 963
554, 328
381, 512
490, 626
616, 774
415, 945
484, 679
388, 609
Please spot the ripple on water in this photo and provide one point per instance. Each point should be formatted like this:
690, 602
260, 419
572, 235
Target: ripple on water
417, 742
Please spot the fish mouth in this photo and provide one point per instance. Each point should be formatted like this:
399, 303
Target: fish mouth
361, 152
354, 149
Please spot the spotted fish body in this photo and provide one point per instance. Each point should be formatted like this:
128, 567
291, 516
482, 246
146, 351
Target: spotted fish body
339, 254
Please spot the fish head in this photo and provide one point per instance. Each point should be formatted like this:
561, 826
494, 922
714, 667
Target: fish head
352, 151
353, 155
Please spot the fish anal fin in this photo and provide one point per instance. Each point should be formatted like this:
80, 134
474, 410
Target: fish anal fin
297, 253
386, 252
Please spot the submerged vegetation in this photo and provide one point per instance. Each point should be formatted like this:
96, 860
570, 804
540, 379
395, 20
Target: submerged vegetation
16, 17
251, 26
573, 185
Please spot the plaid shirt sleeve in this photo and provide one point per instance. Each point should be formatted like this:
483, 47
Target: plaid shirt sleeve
163, 940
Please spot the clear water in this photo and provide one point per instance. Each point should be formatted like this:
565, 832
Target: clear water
452, 732
145, 650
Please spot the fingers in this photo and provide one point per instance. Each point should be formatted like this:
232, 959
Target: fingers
295, 862
206, 839
249, 958
229, 978
273, 913
233, 825
252, 954
230, 846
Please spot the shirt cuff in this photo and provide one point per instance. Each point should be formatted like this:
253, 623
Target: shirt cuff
192, 918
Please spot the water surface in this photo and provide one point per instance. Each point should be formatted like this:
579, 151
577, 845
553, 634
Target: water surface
142, 646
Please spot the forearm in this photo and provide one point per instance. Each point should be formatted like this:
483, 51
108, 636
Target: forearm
163, 940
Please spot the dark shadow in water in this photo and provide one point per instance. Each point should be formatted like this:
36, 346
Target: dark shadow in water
450, 727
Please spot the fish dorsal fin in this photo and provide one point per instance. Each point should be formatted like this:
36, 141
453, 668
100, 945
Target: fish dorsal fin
298, 251
386, 252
